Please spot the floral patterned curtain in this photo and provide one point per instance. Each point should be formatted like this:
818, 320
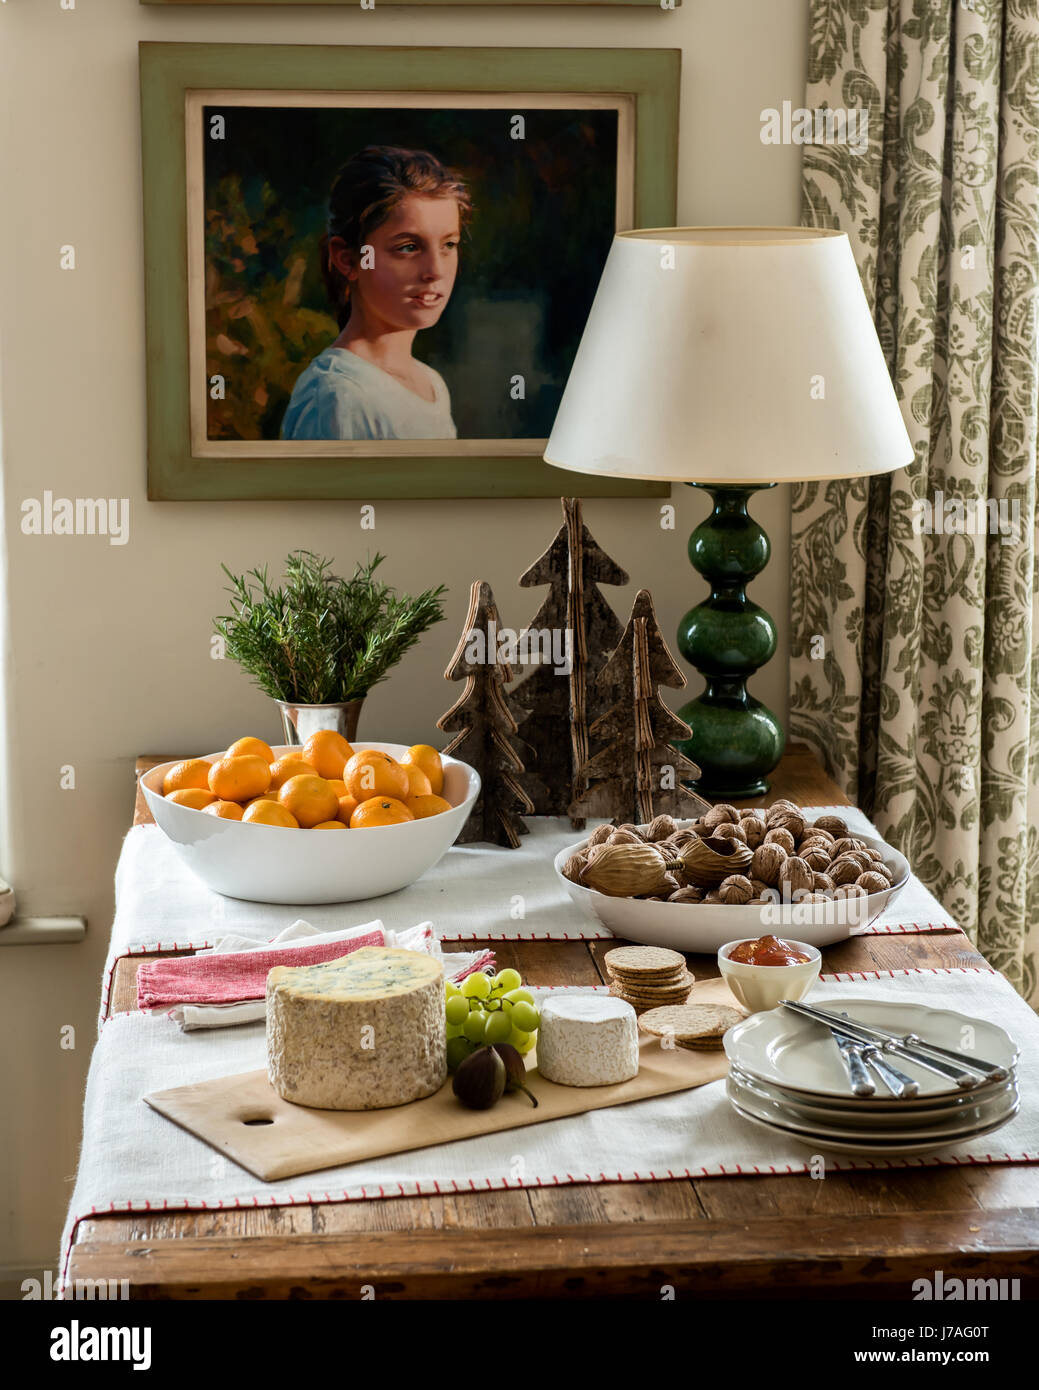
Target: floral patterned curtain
915, 635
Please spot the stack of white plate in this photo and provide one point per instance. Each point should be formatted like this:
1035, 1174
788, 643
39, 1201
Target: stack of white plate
785, 1072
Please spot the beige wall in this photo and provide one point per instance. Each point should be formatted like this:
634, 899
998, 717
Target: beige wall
108, 647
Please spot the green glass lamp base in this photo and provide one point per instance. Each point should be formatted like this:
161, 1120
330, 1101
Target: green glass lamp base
735, 740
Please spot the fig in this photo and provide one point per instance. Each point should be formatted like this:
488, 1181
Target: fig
480, 1079
515, 1071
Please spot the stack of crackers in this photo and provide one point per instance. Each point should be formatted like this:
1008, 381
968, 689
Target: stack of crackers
696, 1027
648, 977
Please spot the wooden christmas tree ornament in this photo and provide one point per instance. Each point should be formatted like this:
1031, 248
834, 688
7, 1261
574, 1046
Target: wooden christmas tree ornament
485, 721
637, 774
557, 705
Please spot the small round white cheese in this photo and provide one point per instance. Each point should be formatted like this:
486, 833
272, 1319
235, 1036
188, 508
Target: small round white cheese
587, 1040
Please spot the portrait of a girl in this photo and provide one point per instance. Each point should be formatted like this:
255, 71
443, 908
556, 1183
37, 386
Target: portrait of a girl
389, 260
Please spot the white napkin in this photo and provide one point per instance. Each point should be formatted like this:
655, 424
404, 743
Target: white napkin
421, 937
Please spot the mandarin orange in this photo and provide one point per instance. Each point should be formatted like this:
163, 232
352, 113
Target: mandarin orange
330, 825
289, 765
242, 746
270, 813
347, 806
192, 772
193, 797
310, 799
426, 757
328, 752
380, 810
240, 779
423, 806
418, 782
370, 774
226, 810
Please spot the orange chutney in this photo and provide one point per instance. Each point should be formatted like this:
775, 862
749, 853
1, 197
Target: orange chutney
767, 950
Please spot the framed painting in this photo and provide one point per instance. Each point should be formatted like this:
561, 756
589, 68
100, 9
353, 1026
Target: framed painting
367, 270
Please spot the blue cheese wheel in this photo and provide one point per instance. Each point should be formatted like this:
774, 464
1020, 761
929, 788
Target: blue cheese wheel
587, 1040
363, 1032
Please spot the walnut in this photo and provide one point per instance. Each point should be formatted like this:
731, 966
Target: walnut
844, 871
884, 870
753, 831
573, 866
759, 886
848, 842
778, 808
836, 827
822, 883
671, 883
767, 862
677, 840
718, 815
812, 897
659, 828
593, 851
873, 883
624, 835
795, 876
731, 831
873, 854
854, 856
735, 889
699, 827
752, 813
848, 890
600, 835
788, 820
817, 860
812, 842
779, 835
692, 894
812, 832
713, 896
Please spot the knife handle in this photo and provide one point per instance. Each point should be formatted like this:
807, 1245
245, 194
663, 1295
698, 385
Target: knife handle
962, 1078
989, 1069
861, 1084
896, 1081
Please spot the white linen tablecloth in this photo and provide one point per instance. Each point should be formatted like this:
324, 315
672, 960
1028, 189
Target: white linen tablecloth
475, 892
134, 1159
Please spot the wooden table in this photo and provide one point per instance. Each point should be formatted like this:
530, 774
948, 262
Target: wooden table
864, 1234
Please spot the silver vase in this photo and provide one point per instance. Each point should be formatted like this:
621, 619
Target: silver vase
300, 721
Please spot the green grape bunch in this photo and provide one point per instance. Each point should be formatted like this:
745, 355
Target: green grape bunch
487, 1009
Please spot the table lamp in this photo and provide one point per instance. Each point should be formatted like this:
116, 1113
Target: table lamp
732, 359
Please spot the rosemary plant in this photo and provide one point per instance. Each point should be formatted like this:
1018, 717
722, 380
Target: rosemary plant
319, 639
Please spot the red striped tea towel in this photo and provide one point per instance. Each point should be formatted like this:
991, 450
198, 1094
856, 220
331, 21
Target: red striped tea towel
226, 977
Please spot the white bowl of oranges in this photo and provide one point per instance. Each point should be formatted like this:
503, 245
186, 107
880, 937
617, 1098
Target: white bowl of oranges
227, 814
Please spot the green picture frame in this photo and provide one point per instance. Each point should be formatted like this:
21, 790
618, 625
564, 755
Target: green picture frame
656, 4
172, 75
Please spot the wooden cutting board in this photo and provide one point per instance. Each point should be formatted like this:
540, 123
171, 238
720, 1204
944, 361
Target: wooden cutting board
247, 1120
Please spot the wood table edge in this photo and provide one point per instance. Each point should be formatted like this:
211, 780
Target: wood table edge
883, 1254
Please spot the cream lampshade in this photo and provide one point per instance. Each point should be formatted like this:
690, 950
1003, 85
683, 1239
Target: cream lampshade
731, 358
